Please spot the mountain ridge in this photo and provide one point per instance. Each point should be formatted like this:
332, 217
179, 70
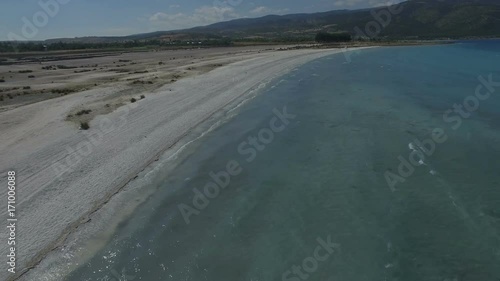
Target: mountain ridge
419, 19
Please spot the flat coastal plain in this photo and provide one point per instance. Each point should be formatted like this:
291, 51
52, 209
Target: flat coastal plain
137, 106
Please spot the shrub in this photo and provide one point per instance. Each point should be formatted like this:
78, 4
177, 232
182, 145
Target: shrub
324, 37
31, 76
84, 125
132, 100
65, 67
64, 91
25, 71
2, 80
1, 98
143, 97
27, 88
83, 112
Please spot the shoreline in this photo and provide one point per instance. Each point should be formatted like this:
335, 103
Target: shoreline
152, 127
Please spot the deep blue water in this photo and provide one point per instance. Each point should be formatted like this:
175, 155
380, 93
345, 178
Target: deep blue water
323, 177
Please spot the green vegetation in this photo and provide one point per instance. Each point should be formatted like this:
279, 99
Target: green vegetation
325, 37
65, 67
84, 125
118, 43
83, 112
64, 91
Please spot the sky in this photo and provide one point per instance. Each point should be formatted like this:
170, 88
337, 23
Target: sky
47, 19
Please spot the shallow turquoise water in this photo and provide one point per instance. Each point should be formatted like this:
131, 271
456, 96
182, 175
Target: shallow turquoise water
323, 178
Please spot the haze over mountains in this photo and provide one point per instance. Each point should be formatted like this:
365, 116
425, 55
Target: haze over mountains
416, 19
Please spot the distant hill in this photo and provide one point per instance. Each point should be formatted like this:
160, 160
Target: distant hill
419, 19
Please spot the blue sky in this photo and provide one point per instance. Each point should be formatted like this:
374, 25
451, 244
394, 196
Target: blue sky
76, 18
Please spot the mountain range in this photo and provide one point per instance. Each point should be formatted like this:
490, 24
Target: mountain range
413, 19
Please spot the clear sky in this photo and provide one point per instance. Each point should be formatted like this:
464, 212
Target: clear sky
76, 18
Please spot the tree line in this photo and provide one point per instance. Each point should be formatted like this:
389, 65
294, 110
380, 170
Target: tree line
325, 37
14, 47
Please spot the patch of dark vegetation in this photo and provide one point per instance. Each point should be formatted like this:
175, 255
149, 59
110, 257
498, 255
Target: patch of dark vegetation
65, 67
83, 112
132, 100
143, 97
124, 60
1, 98
325, 37
81, 71
2, 81
136, 82
119, 70
31, 76
49, 67
25, 71
84, 126
27, 88
140, 72
64, 92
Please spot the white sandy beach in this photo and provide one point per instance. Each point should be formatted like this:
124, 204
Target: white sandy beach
38, 143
